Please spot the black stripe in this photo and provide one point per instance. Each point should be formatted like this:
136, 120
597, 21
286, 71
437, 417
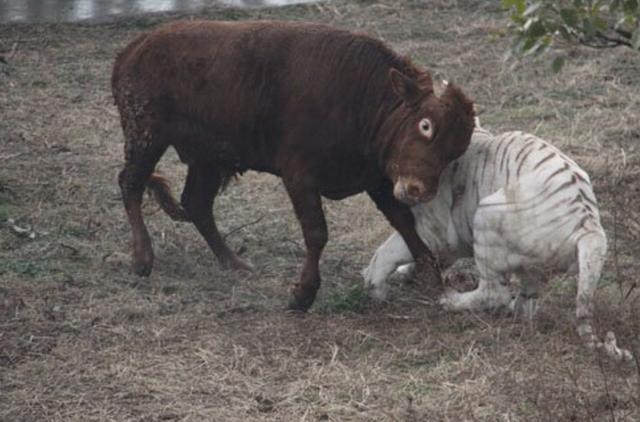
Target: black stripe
586, 198
539, 202
580, 223
557, 172
546, 227
477, 191
545, 159
546, 224
582, 179
503, 142
577, 199
484, 164
560, 188
506, 150
523, 150
524, 160
571, 211
542, 210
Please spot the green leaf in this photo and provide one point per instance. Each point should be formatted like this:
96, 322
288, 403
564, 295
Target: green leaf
557, 64
564, 32
630, 7
599, 23
615, 5
536, 29
526, 45
588, 28
570, 17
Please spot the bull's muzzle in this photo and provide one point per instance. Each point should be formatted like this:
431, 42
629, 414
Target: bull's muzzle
412, 191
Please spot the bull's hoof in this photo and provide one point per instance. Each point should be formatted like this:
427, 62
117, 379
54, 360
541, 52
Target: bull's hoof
432, 277
142, 269
142, 260
301, 302
428, 272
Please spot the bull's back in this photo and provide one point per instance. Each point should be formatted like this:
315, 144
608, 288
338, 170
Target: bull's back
246, 85
244, 63
196, 63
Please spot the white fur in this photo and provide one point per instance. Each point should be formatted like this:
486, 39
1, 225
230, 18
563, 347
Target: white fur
518, 206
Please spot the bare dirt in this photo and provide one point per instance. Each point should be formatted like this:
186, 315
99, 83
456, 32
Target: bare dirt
82, 339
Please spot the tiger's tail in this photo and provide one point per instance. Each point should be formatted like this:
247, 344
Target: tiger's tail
591, 249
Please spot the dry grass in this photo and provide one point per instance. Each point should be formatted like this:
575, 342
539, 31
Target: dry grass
83, 339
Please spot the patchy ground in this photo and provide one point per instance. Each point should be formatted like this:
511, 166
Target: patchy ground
83, 339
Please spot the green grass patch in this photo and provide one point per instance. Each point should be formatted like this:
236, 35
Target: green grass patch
417, 388
353, 299
26, 268
6, 210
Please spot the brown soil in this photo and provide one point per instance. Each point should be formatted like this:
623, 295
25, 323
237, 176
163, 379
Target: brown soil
83, 339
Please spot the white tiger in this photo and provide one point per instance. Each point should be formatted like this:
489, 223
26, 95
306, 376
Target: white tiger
518, 206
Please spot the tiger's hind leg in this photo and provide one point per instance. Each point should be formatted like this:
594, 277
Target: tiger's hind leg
525, 304
494, 260
492, 292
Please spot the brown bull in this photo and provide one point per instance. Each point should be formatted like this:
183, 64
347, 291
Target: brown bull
331, 112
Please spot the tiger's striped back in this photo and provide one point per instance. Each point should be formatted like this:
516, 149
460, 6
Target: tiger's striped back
545, 191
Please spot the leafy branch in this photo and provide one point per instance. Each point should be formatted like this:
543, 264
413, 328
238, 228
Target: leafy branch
537, 25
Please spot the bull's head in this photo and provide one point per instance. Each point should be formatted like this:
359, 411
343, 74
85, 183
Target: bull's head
429, 132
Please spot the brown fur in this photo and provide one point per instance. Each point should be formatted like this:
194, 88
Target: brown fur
331, 112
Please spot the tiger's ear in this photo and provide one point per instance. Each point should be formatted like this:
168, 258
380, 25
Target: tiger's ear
404, 87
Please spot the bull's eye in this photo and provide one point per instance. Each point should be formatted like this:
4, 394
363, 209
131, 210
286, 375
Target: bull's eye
426, 128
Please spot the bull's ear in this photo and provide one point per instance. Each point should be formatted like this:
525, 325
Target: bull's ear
404, 87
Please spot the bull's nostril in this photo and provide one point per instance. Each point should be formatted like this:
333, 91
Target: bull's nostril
414, 191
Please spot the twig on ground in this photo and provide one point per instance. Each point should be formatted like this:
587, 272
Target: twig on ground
237, 229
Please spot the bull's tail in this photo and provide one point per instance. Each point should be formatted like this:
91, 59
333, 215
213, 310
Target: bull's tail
591, 254
159, 187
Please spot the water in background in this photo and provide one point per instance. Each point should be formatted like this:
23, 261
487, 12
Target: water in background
77, 10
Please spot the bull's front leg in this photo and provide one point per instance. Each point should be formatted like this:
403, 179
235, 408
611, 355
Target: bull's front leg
401, 218
308, 207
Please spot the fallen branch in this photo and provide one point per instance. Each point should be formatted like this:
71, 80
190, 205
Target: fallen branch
237, 229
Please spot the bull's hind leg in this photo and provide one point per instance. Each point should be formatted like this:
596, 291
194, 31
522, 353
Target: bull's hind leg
203, 183
141, 159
